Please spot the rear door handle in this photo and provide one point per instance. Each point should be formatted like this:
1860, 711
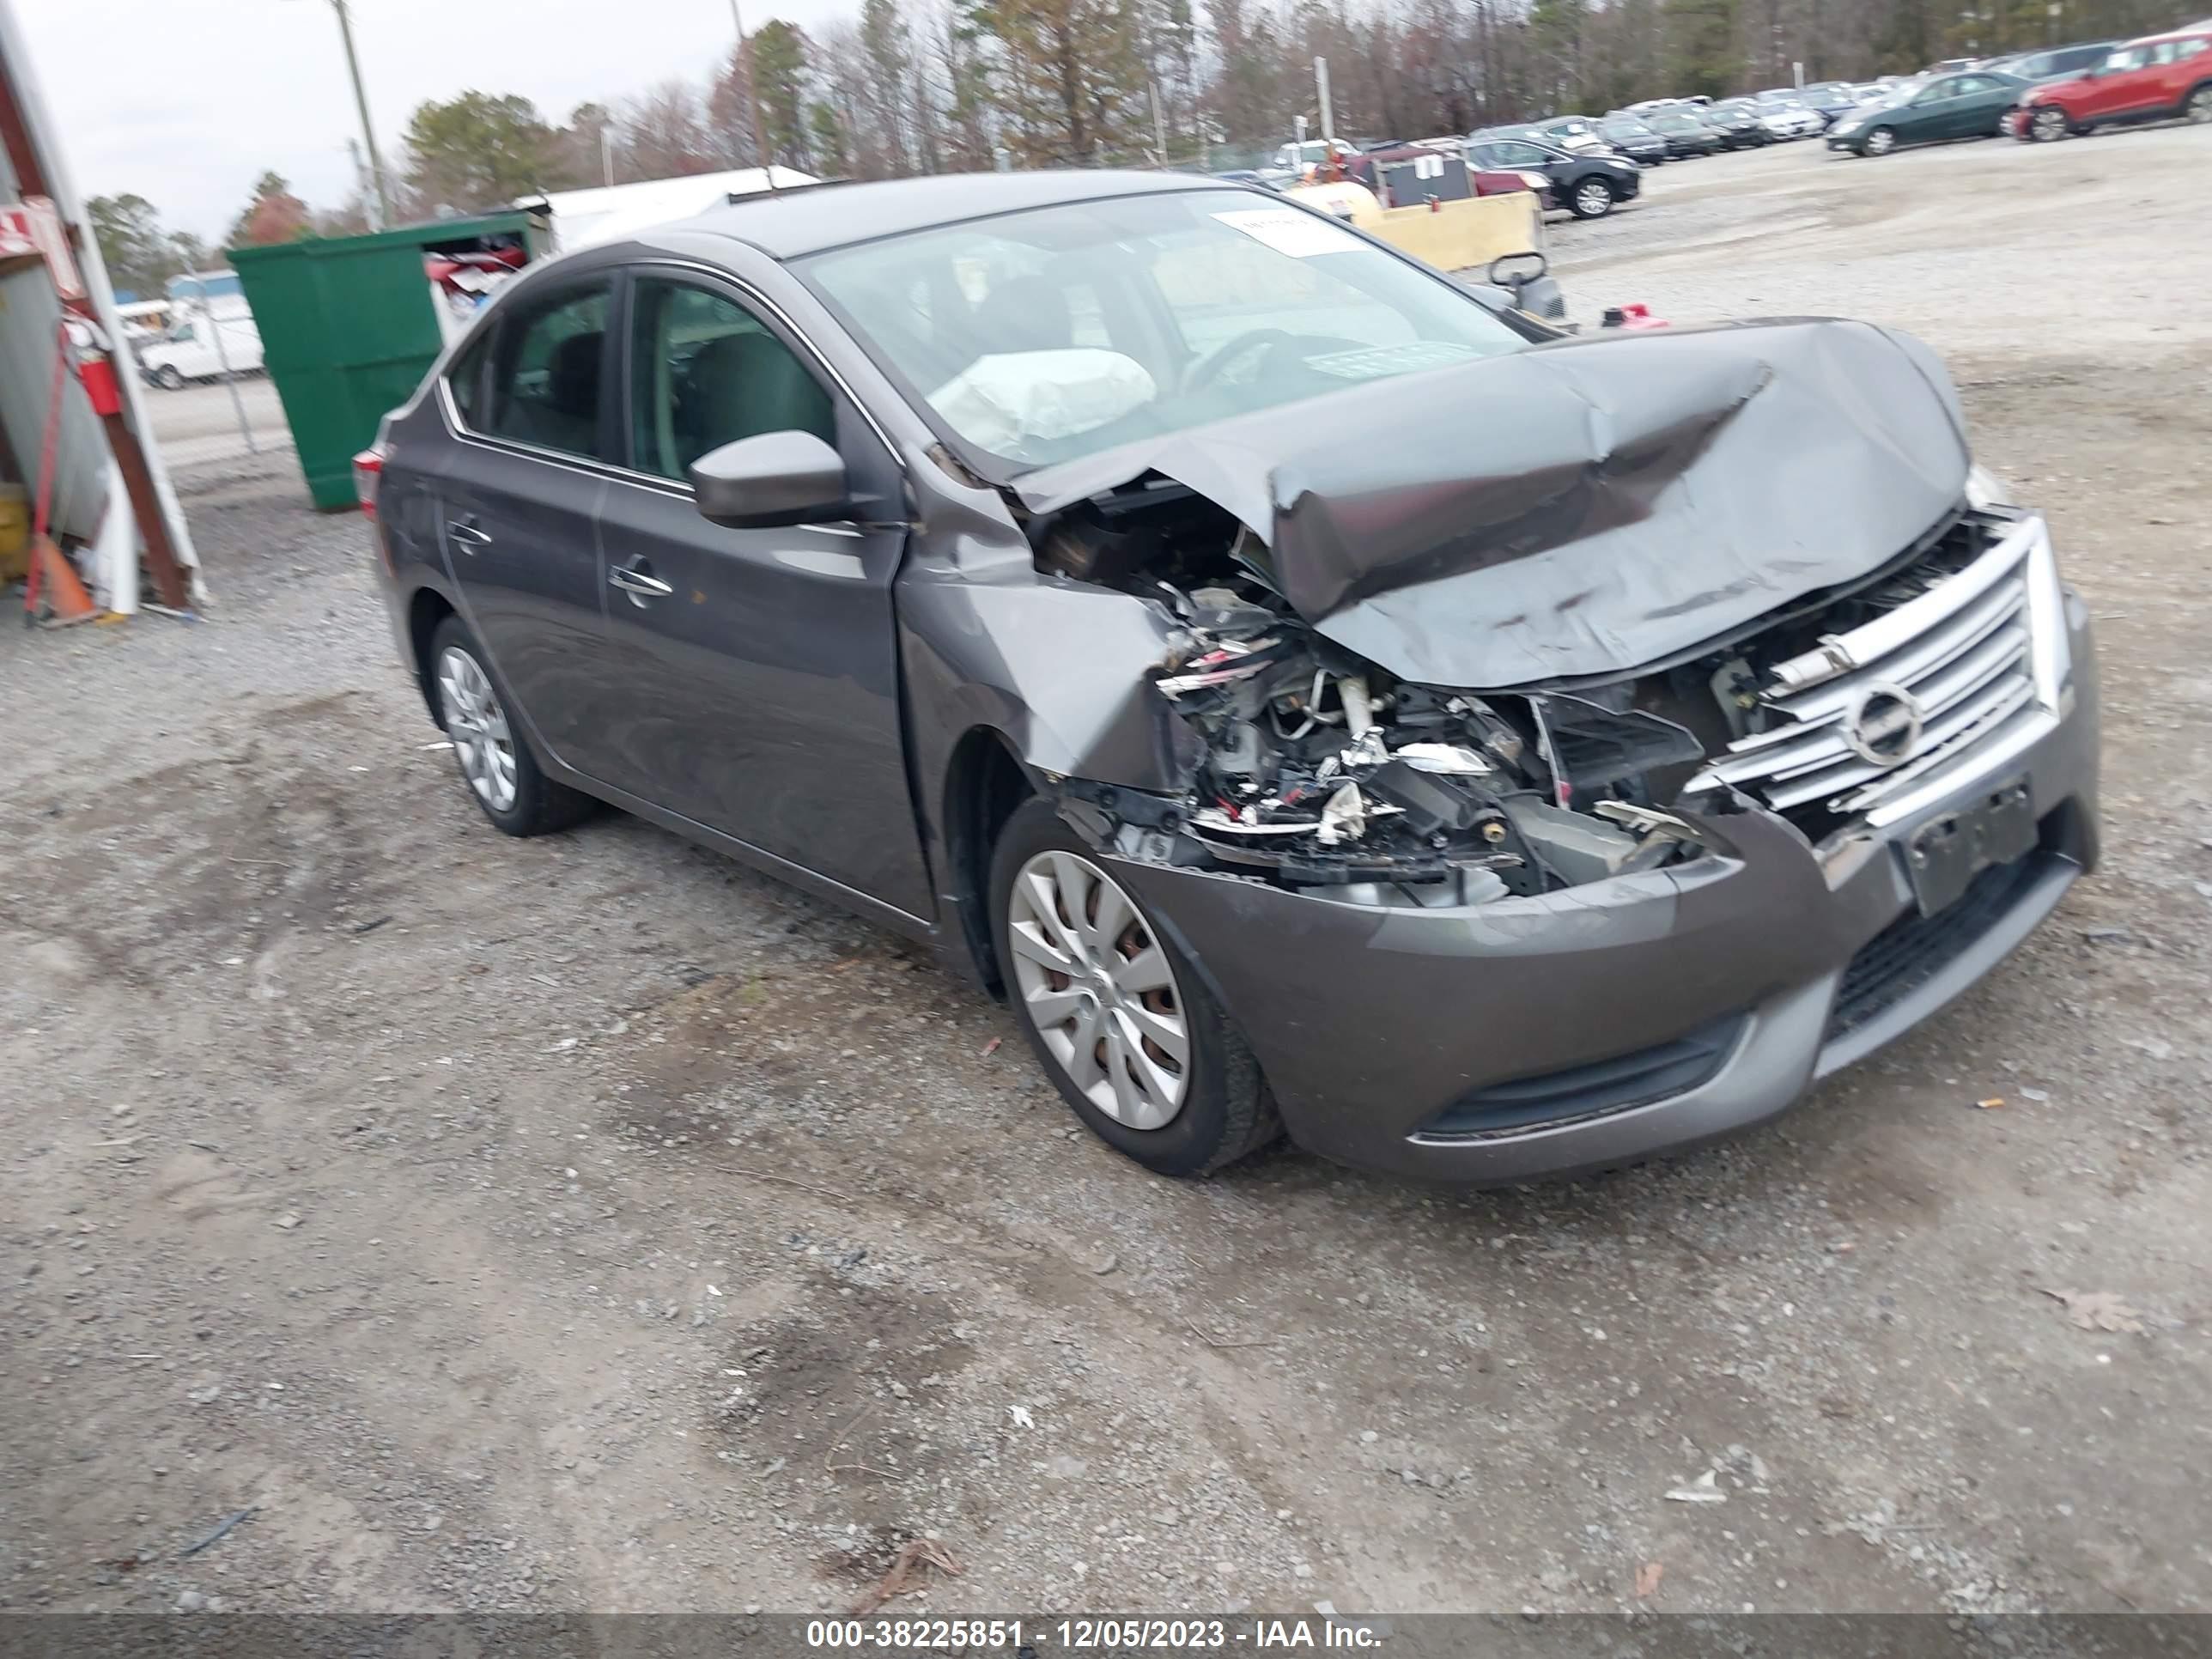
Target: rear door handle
636, 579
464, 534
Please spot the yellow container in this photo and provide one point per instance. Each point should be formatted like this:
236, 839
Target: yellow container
14, 532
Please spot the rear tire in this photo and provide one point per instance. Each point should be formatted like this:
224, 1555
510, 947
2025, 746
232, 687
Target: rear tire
1222, 1111
496, 762
2198, 109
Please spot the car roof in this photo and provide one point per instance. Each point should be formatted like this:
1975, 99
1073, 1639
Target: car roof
2193, 32
795, 222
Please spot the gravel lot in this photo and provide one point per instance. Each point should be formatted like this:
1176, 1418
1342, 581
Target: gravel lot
591, 1223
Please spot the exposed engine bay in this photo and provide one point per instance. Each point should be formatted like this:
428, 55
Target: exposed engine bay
1320, 769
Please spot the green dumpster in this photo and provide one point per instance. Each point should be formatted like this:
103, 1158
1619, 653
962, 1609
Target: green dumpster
348, 324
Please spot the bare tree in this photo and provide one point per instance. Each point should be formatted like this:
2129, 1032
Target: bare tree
665, 134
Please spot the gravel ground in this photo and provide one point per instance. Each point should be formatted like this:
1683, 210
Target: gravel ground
592, 1222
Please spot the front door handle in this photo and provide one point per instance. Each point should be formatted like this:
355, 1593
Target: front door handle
636, 579
464, 534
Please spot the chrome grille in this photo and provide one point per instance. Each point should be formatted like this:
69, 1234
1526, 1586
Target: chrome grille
1979, 655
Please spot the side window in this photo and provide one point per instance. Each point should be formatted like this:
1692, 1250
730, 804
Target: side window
545, 377
705, 371
464, 379
2191, 48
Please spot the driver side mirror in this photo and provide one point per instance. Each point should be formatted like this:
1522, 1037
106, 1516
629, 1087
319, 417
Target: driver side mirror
776, 477
1517, 270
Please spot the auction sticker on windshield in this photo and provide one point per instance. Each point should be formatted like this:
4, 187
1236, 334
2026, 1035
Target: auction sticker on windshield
1288, 230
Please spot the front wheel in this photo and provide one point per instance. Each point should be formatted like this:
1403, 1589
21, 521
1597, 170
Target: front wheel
1880, 142
2048, 125
1115, 1013
1593, 199
168, 378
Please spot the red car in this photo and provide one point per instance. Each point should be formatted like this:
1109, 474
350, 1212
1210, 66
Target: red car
2151, 79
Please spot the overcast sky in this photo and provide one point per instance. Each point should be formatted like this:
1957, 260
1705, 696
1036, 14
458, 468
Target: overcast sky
186, 102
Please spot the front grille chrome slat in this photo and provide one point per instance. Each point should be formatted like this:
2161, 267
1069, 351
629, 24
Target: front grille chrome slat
1965, 652
1921, 657
1938, 698
1938, 743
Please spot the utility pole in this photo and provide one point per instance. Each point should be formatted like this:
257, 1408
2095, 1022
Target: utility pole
361, 104
745, 67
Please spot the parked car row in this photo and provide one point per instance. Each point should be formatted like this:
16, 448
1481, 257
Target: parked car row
1587, 166
2042, 96
2038, 96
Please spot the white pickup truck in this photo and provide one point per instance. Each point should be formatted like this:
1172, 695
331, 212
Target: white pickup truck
191, 352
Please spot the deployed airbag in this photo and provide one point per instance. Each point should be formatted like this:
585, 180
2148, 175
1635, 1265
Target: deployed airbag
1002, 400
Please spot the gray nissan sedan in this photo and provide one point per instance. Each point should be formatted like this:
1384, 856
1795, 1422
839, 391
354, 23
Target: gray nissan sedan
1322, 698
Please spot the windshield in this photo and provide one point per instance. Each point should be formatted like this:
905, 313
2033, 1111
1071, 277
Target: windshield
1047, 335
1625, 129
1673, 123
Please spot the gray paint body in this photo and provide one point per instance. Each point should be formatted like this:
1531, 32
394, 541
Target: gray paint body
799, 701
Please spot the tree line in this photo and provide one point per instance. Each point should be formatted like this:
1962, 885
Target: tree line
935, 86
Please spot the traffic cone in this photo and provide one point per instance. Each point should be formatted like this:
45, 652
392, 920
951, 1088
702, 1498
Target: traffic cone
54, 580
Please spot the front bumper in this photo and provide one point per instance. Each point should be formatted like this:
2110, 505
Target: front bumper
1733, 981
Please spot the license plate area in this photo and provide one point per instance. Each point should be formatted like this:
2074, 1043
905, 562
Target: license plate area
1946, 854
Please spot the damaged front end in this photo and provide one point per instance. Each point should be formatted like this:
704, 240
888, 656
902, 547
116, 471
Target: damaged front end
1316, 769
1792, 736
1320, 771
1684, 525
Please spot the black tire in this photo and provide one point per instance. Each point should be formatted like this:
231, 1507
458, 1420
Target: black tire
540, 806
2047, 124
1226, 1112
1878, 142
168, 378
1590, 198
2198, 106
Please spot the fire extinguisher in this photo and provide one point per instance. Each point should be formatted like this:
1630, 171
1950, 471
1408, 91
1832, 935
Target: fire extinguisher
95, 361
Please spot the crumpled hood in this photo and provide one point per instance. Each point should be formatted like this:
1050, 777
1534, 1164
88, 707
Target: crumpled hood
1582, 508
